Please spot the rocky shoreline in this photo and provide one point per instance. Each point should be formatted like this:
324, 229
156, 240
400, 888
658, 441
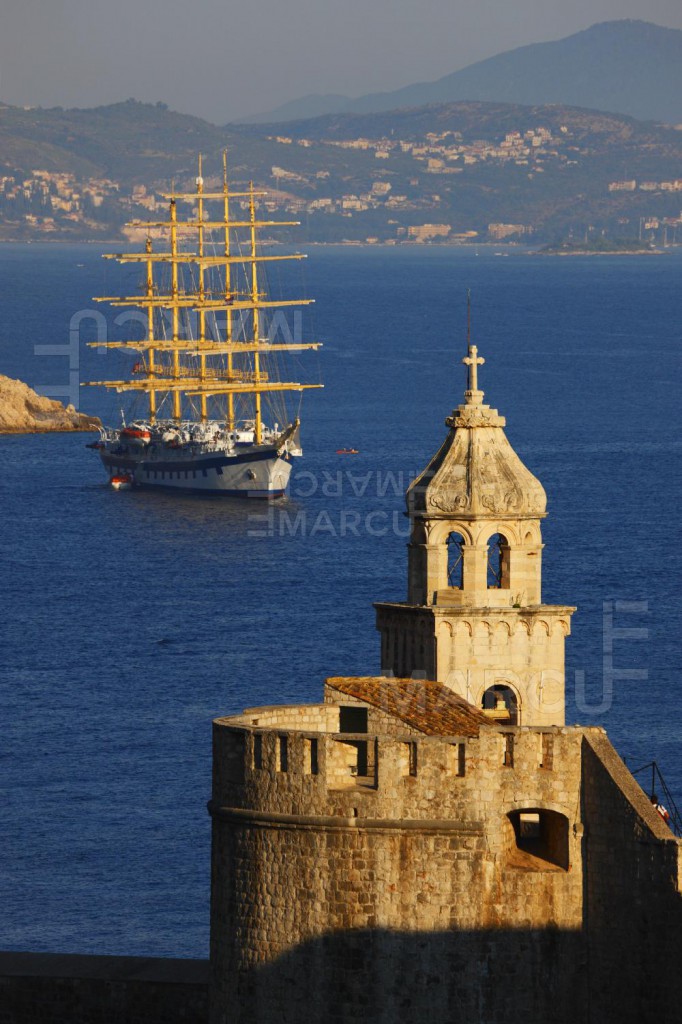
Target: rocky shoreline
24, 411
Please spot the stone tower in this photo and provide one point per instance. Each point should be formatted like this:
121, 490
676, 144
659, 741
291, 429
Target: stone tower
400, 851
474, 617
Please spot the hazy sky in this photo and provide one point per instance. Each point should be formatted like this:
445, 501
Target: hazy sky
221, 60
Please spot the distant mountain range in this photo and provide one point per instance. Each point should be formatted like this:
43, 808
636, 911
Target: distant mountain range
626, 67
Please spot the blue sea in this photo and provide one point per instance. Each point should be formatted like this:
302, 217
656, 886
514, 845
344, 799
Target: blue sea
130, 620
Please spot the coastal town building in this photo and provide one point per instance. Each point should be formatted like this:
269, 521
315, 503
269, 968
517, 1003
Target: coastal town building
500, 231
623, 186
427, 232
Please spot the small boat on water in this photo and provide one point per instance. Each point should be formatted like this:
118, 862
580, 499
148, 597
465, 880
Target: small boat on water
122, 481
347, 451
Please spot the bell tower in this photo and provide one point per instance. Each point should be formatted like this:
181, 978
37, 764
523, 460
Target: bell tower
474, 617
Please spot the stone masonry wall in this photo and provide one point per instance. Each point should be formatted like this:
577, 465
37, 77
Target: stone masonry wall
480, 786
42, 988
397, 898
471, 649
633, 897
361, 924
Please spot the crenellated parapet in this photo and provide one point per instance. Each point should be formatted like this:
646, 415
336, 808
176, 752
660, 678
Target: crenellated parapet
352, 763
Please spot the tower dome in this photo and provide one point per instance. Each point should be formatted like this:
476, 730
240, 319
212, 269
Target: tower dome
476, 473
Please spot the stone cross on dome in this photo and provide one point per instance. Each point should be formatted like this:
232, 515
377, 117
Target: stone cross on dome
473, 361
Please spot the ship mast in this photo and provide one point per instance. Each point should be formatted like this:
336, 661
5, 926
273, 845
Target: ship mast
175, 308
228, 295
150, 328
202, 270
178, 378
256, 318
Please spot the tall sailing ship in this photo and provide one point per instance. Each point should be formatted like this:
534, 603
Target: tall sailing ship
207, 369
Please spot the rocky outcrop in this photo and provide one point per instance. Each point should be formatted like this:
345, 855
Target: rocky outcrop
23, 411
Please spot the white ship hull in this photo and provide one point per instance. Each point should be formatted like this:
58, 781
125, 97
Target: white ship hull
258, 473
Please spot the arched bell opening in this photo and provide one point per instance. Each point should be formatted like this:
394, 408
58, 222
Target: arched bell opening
455, 547
501, 703
498, 562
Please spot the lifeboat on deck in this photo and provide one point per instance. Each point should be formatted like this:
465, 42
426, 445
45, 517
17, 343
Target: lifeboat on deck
136, 435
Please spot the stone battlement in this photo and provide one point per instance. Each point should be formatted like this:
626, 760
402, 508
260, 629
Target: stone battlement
351, 765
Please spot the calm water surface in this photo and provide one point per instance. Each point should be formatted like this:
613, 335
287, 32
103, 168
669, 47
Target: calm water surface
130, 620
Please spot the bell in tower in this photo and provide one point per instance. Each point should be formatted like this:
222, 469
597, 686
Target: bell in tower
474, 617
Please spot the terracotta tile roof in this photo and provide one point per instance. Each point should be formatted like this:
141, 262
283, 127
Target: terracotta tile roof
425, 705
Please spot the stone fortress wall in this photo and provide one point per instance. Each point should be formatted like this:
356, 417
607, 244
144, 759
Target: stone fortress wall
63, 988
389, 875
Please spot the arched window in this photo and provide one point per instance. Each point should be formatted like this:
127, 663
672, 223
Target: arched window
501, 701
498, 562
455, 543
